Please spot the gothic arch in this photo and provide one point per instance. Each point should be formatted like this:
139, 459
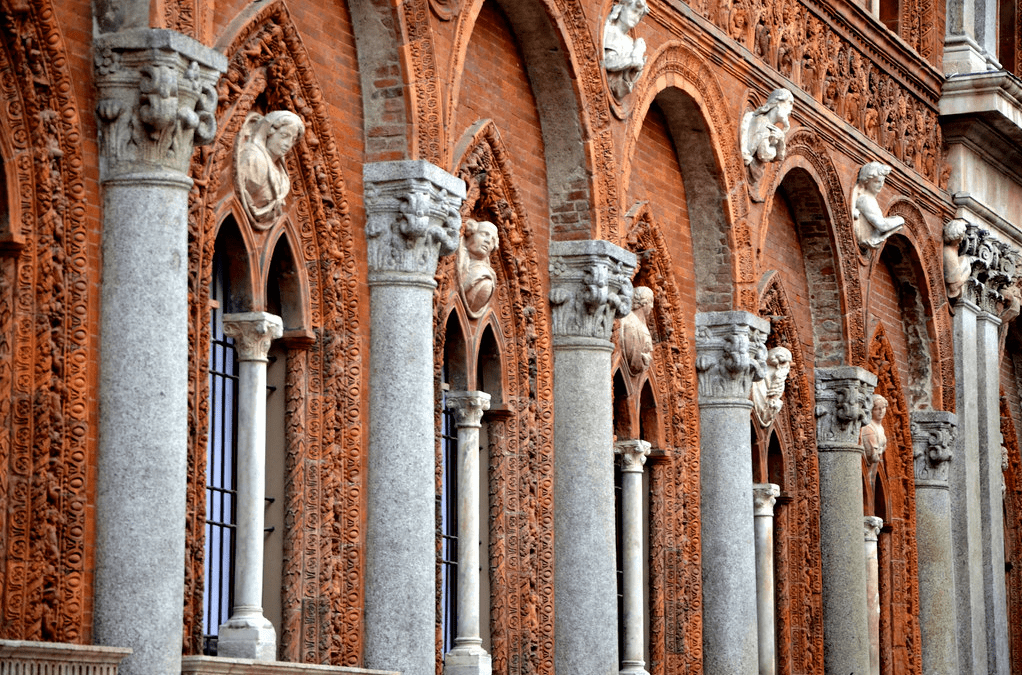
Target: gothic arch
47, 307
324, 436
688, 92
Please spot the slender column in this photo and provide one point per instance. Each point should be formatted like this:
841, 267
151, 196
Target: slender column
764, 497
248, 634
633, 456
412, 219
731, 355
156, 99
844, 400
932, 443
468, 656
871, 526
590, 286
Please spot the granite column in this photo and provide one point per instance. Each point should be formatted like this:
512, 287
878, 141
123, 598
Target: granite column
731, 355
412, 212
156, 99
633, 455
871, 526
764, 497
590, 287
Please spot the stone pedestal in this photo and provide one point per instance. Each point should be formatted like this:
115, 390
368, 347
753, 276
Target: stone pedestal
590, 287
156, 99
932, 443
871, 527
633, 455
731, 355
412, 210
248, 634
764, 497
844, 397
468, 656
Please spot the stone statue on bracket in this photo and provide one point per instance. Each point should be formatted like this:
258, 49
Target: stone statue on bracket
475, 273
873, 437
634, 339
763, 131
957, 266
623, 56
768, 392
261, 181
871, 227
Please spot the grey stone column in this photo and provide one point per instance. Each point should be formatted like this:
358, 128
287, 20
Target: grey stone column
248, 634
633, 455
764, 497
156, 99
932, 442
468, 656
590, 286
970, 42
731, 355
844, 401
412, 219
871, 526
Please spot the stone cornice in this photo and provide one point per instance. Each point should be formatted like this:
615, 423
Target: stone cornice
731, 355
933, 437
253, 332
844, 402
590, 286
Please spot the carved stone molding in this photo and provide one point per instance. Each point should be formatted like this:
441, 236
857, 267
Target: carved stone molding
764, 496
995, 265
731, 354
468, 407
844, 401
933, 436
413, 216
157, 99
633, 454
253, 332
590, 286
871, 526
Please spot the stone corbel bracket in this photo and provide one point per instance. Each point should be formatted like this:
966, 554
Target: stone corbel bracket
933, 438
590, 286
731, 354
413, 216
844, 403
995, 265
157, 100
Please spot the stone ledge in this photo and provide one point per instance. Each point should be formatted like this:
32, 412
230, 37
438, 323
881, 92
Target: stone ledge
216, 665
55, 658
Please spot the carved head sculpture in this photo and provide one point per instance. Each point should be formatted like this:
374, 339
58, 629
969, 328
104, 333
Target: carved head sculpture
873, 437
763, 130
872, 176
627, 14
778, 364
474, 269
778, 106
642, 301
767, 393
879, 408
872, 228
634, 339
260, 174
623, 56
957, 267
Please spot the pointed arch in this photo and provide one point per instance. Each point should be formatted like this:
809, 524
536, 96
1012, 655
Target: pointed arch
324, 454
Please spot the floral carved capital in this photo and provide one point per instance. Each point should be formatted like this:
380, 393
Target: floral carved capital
467, 406
933, 439
156, 100
995, 266
413, 216
871, 526
253, 332
633, 454
731, 354
590, 287
764, 496
844, 401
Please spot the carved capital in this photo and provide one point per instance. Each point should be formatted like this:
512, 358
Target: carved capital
730, 354
253, 332
844, 401
933, 438
413, 216
871, 526
764, 496
633, 454
590, 286
995, 265
467, 406
157, 99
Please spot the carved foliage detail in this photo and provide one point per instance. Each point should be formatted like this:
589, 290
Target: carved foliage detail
844, 399
933, 436
732, 354
589, 289
995, 265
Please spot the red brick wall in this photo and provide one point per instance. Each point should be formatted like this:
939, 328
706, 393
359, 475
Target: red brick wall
884, 307
782, 251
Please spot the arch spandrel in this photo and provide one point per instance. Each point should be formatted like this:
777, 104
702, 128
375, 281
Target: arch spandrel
323, 468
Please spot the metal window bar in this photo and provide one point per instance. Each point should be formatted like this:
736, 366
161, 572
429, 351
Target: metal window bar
218, 590
447, 503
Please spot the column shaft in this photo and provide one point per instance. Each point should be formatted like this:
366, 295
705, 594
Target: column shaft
871, 530
633, 456
764, 497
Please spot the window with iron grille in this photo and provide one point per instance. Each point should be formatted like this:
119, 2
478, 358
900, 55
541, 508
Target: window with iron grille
447, 524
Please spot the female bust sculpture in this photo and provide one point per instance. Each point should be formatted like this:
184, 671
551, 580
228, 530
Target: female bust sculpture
763, 132
623, 56
873, 437
260, 174
871, 227
475, 272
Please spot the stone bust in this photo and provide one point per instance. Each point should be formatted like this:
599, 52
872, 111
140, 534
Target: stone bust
634, 339
873, 437
871, 227
475, 273
957, 267
260, 173
623, 56
763, 130
767, 393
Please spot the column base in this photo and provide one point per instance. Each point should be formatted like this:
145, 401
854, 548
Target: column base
633, 668
467, 661
248, 637
962, 56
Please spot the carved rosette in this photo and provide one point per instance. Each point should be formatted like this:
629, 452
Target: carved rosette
590, 286
933, 437
844, 402
764, 496
157, 99
871, 526
468, 407
731, 354
253, 332
633, 454
413, 216
995, 266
